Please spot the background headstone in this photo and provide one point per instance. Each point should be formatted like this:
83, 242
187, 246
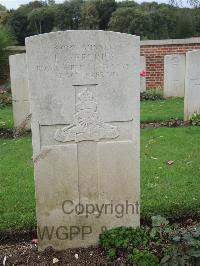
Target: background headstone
143, 77
19, 88
174, 75
84, 91
192, 84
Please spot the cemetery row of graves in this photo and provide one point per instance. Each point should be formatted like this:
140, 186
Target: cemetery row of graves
164, 186
169, 190
169, 151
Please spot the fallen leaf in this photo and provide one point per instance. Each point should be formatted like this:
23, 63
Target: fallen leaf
154, 158
55, 260
170, 162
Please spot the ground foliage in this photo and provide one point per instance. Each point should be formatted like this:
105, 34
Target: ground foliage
5, 98
152, 95
159, 244
195, 119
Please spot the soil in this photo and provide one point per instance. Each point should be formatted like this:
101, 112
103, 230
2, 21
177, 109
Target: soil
170, 123
25, 253
20, 248
11, 133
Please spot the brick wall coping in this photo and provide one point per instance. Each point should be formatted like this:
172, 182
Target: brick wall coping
143, 43
16, 48
171, 41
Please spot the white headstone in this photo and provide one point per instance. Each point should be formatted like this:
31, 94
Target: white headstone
174, 75
143, 72
84, 88
192, 84
19, 88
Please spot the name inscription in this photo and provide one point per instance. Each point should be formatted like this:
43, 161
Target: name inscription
87, 61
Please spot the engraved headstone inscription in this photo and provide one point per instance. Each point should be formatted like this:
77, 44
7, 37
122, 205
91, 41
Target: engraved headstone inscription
19, 88
84, 94
192, 84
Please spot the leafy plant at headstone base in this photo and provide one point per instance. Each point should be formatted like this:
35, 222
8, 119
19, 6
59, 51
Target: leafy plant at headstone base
137, 245
153, 95
7, 87
195, 119
122, 239
162, 244
142, 257
5, 98
184, 247
180, 246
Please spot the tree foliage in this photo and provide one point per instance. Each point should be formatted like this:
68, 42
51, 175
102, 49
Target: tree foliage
18, 22
89, 16
105, 8
6, 38
148, 20
2, 7
41, 20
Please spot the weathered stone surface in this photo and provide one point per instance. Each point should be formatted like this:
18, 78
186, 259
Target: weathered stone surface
84, 92
142, 78
19, 87
174, 75
192, 84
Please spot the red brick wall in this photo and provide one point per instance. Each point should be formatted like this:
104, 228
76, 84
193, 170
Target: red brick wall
155, 59
154, 51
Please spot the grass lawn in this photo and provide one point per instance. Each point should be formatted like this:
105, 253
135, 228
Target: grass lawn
162, 110
151, 111
17, 208
6, 117
169, 190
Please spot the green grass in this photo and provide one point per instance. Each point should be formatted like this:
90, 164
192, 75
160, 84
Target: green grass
6, 117
17, 208
169, 190
162, 110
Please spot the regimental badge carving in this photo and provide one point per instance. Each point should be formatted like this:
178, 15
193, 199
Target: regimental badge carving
87, 123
